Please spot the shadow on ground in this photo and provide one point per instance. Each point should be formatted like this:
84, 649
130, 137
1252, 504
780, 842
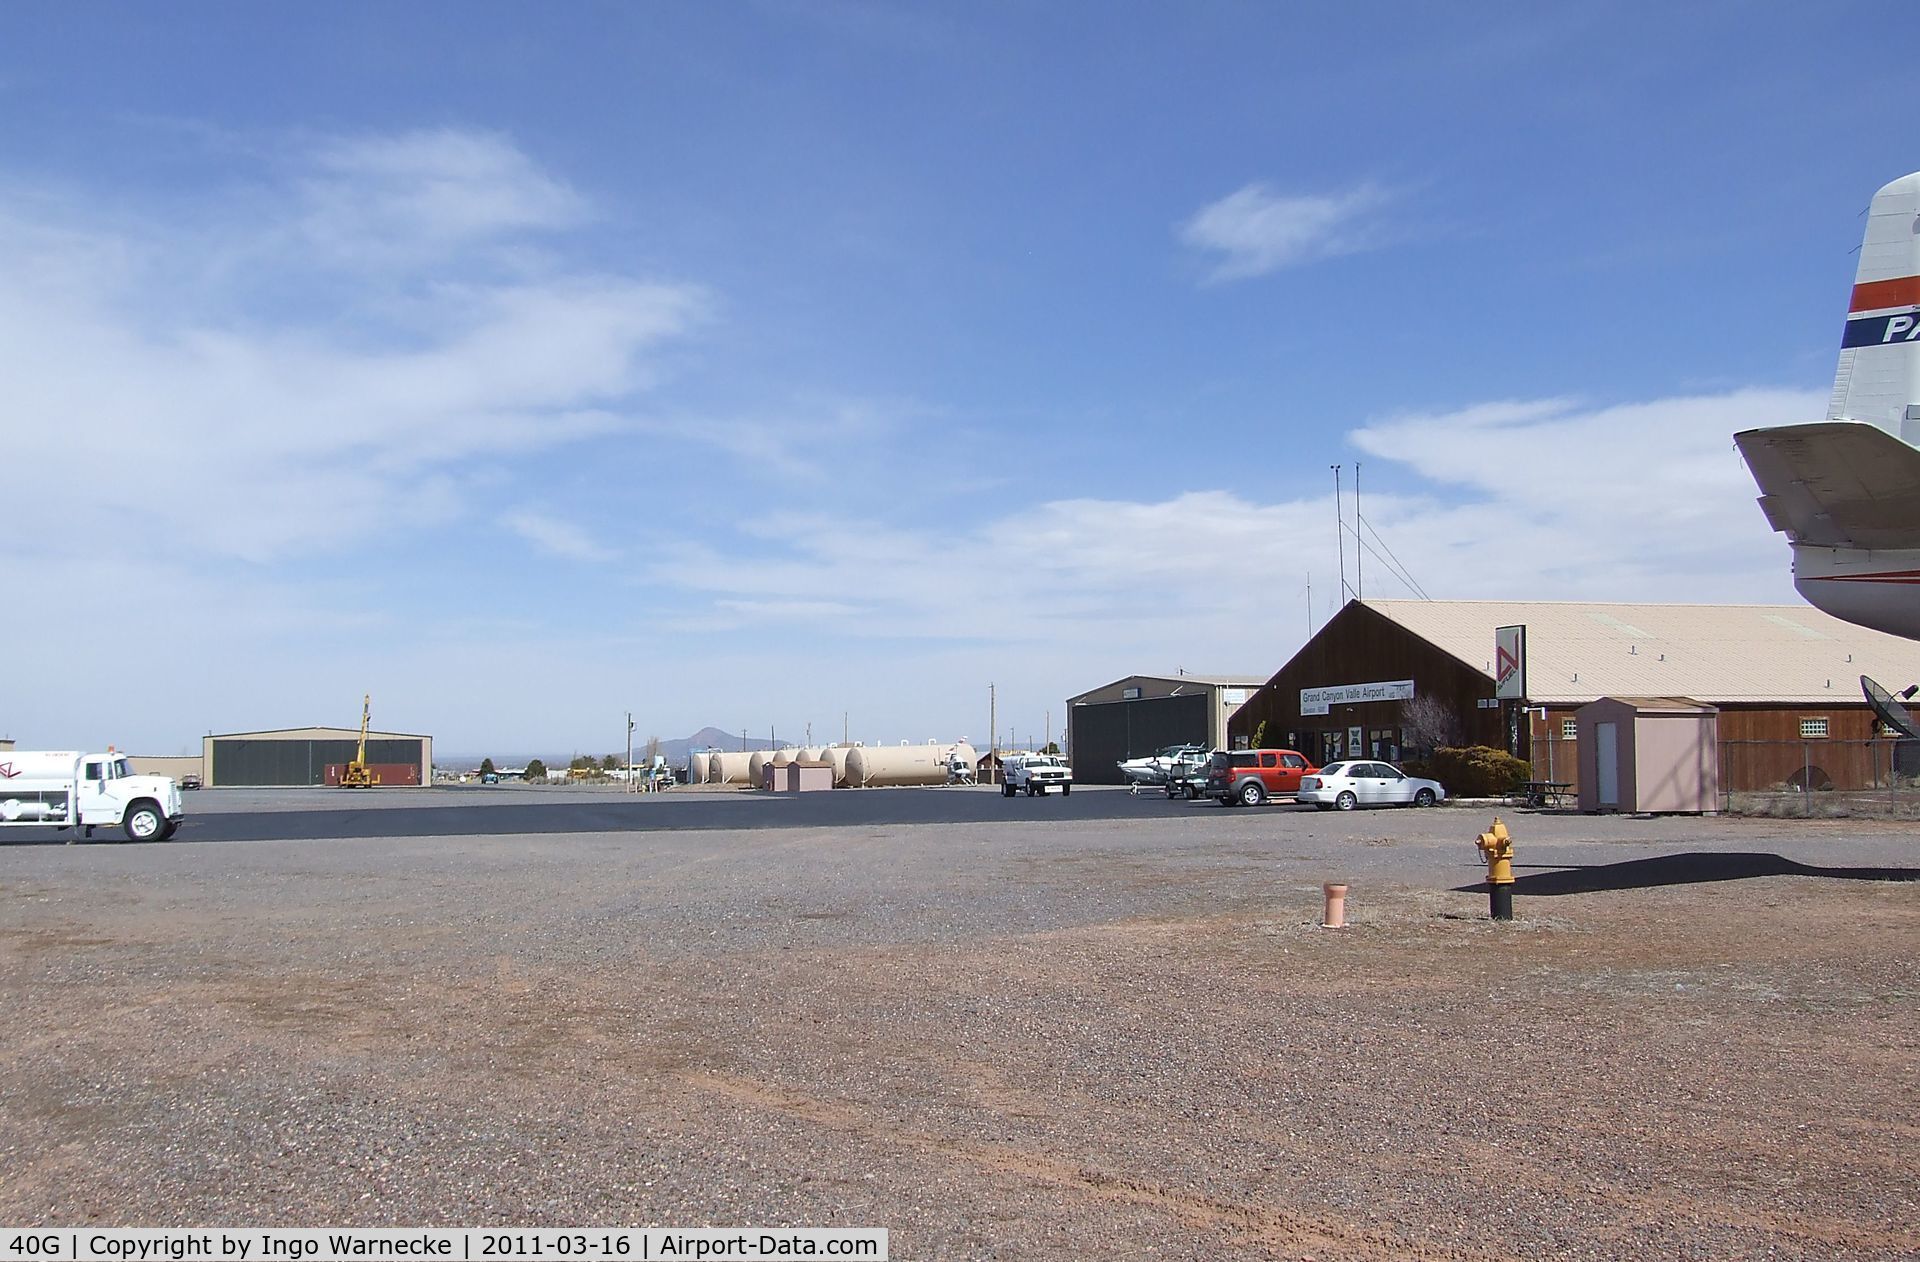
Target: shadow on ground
1680, 869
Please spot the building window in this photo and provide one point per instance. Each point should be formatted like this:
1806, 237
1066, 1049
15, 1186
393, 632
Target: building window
1810, 728
1569, 729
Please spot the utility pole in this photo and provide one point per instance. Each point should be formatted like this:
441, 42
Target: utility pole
1049, 729
846, 728
993, 732
630, 751
1340, 531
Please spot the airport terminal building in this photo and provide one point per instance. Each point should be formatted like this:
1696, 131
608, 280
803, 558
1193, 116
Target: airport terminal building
1782, 677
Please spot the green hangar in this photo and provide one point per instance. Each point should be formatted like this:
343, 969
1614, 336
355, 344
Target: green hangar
312, 756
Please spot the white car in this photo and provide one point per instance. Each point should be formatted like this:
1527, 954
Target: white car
1345, 785
1036, 773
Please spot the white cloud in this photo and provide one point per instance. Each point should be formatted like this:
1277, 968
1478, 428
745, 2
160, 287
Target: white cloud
373, 198
553, 535
1255, 230
1522, 500
197, 418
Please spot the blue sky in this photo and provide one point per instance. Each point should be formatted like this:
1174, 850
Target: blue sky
757, 364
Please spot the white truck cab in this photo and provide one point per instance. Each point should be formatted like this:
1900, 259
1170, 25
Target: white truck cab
67, 789
1036, 773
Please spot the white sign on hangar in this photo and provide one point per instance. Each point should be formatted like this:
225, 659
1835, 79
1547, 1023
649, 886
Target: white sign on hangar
1322, 700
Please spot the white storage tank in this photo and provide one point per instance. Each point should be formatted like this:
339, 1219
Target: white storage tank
729, 768
781, 757
756, 766
837, 755
697, 768
883, 766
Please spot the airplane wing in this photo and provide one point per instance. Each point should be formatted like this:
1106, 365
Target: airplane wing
1836, 483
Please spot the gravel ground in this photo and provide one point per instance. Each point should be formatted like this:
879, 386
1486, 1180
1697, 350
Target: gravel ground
1008, 1040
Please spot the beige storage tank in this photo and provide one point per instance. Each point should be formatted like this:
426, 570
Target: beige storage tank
883, 766
729, 768
756, 767
837, 755
782, 757
697, 768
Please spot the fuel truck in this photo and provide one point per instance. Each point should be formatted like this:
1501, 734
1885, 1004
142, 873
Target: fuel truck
64, 789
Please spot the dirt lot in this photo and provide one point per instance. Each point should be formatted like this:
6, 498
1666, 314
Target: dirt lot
1027, 1041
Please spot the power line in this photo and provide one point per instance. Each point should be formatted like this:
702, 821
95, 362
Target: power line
1402, 569
1409, 583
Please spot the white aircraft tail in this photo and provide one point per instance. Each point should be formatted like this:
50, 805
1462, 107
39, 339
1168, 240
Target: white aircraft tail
1846, 491
1878, 382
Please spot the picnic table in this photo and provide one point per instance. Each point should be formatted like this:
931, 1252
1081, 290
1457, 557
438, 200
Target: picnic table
1542, 794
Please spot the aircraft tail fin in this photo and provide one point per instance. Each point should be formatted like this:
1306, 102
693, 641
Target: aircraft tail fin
1878, 381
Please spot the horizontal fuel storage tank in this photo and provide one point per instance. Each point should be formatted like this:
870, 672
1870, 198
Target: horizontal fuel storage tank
887, 766
757, 766
697, 765
837, 755
782, 757
730, 768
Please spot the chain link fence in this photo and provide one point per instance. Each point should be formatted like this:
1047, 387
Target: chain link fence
1810, 778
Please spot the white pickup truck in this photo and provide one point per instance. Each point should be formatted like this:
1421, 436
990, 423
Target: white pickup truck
1036, 773
63, 789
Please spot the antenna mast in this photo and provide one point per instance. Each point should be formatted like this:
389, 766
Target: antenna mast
1340, 531
1359, 562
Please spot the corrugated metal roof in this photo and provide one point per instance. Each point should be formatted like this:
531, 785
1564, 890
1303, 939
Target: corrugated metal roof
317, 733
1212, 681
1717, 653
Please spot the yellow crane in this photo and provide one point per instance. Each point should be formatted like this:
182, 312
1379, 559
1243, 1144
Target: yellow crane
357, 774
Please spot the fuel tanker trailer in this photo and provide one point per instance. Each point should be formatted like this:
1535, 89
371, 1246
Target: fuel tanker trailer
62, 789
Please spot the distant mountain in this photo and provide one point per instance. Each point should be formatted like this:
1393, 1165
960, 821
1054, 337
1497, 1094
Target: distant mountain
714, 738
674, 751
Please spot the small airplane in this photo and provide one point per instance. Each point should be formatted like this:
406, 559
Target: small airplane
1846, 491
1155, 768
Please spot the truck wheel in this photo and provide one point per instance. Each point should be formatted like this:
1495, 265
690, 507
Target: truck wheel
1065, 789
1031, 791
143, 822
1252, 793
173, 826
1346, 801
1006, 790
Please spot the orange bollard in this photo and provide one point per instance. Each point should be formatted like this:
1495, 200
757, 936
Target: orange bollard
1336, 914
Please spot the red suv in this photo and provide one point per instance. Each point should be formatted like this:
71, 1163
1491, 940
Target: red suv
1248, 777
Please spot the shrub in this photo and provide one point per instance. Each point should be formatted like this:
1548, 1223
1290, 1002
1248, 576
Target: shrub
536, 770
1479, 771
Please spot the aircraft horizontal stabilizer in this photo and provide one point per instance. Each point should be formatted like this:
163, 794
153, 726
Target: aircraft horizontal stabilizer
1838, 484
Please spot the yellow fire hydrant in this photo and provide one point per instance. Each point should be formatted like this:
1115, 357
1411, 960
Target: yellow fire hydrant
1496, 847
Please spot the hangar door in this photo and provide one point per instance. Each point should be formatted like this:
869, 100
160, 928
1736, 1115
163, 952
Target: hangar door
270, 762
1101, 734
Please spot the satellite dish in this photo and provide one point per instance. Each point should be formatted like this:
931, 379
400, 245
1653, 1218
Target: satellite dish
1888, 710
